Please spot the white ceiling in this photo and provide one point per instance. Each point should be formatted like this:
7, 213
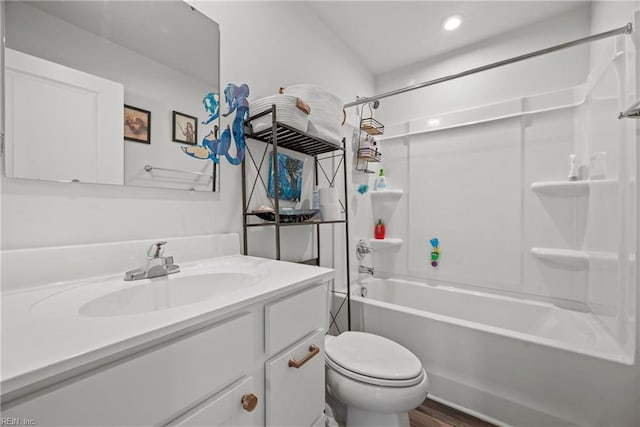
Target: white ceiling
386, 35
159, 36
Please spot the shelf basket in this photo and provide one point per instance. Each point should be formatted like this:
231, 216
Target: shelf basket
372, 126
369, 155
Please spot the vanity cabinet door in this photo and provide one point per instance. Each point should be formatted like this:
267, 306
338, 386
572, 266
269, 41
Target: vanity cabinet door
295, 395
149, 388
233, 407
294, 317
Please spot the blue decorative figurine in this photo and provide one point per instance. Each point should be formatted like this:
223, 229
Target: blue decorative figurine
212, 147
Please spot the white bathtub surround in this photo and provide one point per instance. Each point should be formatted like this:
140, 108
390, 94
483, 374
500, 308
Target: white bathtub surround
506, 360
557, 260
51, 316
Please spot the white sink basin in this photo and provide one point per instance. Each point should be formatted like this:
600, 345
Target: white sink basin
163, 293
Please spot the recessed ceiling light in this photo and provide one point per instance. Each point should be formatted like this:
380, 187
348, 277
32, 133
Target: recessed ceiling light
452, 22
433, 122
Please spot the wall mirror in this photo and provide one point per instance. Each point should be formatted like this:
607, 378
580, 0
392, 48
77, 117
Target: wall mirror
109, 92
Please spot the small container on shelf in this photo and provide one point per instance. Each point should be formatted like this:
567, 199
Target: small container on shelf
573, 168
381, 181
287, 215
315, 199
379, 230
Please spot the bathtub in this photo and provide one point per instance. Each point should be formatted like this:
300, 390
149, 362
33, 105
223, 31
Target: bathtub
509, 361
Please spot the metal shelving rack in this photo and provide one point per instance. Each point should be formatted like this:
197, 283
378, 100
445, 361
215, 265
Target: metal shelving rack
280, 135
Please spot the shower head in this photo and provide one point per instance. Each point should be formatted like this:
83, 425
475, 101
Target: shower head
371, 104
632, 112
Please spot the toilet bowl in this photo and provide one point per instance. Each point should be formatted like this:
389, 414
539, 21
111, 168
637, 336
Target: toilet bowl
376, 379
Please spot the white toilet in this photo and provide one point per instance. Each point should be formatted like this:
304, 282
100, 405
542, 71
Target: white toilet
378, 380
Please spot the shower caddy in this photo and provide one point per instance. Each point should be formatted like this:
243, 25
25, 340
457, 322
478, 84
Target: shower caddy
281, 135
371, 127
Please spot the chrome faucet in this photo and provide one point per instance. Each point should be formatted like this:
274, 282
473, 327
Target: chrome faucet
365, 269
157, 265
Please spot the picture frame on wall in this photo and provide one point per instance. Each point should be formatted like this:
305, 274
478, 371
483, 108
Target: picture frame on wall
185, 128
137, 124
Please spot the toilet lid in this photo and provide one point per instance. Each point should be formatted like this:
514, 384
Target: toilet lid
373, 356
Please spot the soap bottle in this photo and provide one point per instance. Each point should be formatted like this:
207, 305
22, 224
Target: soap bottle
366, 144
381, 182
573, 168
379, 230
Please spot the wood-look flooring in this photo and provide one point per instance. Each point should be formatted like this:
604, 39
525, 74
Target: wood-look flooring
434, 414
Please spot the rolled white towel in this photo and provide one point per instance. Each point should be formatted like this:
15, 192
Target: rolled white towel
328, 195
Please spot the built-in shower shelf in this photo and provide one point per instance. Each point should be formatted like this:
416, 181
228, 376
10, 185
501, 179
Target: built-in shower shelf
562, 188
386, 194
569, 188
572, 258
565, 257
388, 243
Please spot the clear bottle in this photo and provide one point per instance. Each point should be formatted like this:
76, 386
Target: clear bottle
315, 201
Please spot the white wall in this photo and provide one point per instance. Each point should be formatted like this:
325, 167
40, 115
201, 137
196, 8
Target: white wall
265, 45
279, 49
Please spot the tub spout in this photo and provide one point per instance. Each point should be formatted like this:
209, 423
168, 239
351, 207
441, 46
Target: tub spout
365, 269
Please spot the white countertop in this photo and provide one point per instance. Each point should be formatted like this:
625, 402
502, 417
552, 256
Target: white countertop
44, 335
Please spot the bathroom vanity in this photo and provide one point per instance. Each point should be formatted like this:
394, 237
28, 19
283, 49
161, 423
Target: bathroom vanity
230, 340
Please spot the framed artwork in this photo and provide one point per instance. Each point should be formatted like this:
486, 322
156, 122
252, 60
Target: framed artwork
289, 178
137, 124
185, 128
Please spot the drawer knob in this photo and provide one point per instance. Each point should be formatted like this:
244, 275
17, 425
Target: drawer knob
313, 350
249, 402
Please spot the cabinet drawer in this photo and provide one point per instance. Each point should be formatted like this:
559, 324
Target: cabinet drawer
295, 396
224, 409
152, 387
292, 318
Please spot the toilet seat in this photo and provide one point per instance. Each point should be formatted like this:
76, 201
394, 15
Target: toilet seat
374, 360
372, 380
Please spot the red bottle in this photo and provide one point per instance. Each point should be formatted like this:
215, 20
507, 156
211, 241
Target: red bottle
378, 231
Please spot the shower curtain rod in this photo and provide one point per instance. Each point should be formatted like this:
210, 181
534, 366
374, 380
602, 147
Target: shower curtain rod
627, 29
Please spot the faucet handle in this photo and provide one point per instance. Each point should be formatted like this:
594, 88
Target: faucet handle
362, 249
156, 250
